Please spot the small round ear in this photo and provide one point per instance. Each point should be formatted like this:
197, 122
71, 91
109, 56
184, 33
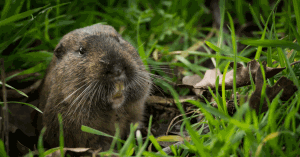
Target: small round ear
59, 51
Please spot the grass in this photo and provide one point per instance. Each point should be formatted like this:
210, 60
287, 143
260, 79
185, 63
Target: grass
160, 28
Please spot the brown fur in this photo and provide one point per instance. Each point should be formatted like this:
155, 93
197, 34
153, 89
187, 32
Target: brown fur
80, 82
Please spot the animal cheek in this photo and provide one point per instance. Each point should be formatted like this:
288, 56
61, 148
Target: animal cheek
92, 70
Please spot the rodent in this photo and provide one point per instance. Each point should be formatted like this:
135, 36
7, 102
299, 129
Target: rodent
97, 79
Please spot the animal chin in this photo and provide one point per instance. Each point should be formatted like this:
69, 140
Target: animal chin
118, 95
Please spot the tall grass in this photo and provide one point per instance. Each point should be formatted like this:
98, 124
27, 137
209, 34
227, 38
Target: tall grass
33, 28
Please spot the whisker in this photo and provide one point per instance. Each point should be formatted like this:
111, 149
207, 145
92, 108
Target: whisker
153, 84
158, 77
75, 100
91, 99
84, 97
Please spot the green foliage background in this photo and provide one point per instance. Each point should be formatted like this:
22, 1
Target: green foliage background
30, 30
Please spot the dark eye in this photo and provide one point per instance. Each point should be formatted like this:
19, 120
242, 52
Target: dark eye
81, 51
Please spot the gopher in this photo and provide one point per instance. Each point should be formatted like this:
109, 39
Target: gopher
96, 79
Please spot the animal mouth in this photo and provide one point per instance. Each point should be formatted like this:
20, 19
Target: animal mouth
118, 95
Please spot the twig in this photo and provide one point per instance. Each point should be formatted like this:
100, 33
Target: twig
168, 149
295, 63
176, 122
5, 109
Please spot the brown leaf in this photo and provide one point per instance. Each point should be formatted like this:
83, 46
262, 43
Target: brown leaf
242, 76
209, 79
282, 84
191, 80
254, 101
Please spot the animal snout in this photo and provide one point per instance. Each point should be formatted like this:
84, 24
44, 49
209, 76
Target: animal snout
116, 72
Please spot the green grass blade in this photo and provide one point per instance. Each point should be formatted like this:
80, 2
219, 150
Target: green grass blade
240, 11
193, 134
222, 5
271, 43
31, 70
20, 92
156, 145
128, 145
188, 64
2, 149
297, 35
296, 4
6, 8
19, 16
141, 150
50, 151
212, 46
141, 49
32, 106
61, 135
97, 132
18, 9
223, 88
234, 49
256, 20
40, 143
243, 59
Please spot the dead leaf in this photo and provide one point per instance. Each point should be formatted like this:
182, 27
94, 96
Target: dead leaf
162, 100
282, 84
159, 100
209, 79
242, 76
191, 80
254, 101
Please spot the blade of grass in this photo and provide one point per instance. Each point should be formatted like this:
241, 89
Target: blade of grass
263, 90
193, 134
234, 49
188, 64
97, 132
141, 49
2, 149
32, 106
20, 92
20, 16
40, 143
6, 8
222, 5
50, 151
31, 70
127, 145
271, 43
142, 149
57, 15
156, 145
46, 34
113, 143
296, 5
256, 20
243, 59
223, 88
240, 11
259, 49
61, 135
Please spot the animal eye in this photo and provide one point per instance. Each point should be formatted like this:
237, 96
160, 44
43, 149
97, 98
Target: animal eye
81, 51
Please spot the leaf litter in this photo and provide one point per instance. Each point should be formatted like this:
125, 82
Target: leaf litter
243, 78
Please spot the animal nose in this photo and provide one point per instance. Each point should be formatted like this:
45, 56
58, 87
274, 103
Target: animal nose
115, 71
